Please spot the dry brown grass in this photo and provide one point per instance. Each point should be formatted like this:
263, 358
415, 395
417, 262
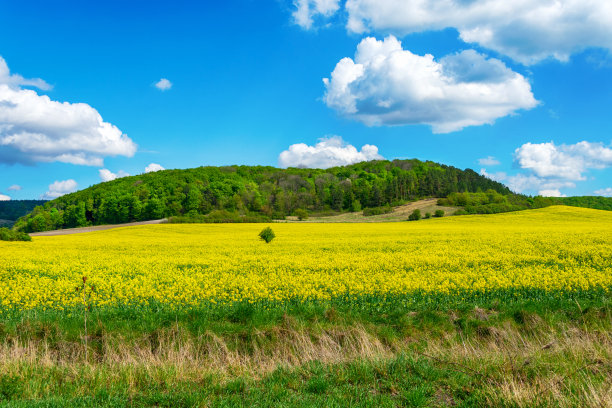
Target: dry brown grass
564, 366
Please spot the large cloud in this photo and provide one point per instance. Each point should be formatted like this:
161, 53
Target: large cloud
59, 188
526, 30
34, 128
306, 10
4, 197
386, 85
549, 167
568, 162
329, 152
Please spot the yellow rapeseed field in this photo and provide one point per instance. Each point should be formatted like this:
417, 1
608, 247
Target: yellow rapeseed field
184, 265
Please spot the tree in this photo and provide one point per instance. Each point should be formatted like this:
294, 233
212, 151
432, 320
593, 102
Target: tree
415, 216
267, 235
301, 213
439, 213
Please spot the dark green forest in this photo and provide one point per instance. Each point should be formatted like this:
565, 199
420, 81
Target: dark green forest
254, 190
10, 211
597, 202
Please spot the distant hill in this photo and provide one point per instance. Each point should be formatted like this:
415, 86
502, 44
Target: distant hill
254, 190
596, 202
12, 210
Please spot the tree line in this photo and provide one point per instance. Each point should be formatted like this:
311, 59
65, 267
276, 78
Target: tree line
254, 190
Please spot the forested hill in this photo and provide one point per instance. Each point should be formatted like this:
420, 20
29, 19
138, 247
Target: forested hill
264, 191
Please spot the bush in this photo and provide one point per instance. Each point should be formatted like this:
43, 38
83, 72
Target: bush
461, 211
10, 235
439, 213
415, 216
427, 215
302, 214
267, 234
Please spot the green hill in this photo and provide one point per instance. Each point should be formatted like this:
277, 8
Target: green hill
255, 192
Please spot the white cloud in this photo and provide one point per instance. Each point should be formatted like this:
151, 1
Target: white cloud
14, 187
528, 31
107, 175
498, 176
153, 167
163, 84
488, 161
306, 10
16, 81
521, 183
4, 197
568, 162
329, 152
386, 85
34, 128
59, 188
551, 193
606, 192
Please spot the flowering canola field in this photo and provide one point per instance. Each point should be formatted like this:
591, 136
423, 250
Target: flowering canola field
184, 265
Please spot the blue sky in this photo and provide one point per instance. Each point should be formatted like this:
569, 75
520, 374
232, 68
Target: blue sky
526, 101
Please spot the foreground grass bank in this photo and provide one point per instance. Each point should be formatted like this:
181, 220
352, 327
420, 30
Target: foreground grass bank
550, 352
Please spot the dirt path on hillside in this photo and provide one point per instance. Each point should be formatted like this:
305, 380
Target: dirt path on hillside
399, 213
69, 231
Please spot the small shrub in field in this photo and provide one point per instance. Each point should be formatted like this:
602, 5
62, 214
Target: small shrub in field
427, 215
302, 214
439, 213
415, 216
267, 234
10, 235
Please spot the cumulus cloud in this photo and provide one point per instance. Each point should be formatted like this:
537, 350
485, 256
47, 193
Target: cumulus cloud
163, 84
387, 85
568, 162
549, 167
107, 175
606, 192
14, 187
488, 161
4, 197
59, 188
521, 183
34, 128
328, 152
306, 10
527, 31
153, 167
